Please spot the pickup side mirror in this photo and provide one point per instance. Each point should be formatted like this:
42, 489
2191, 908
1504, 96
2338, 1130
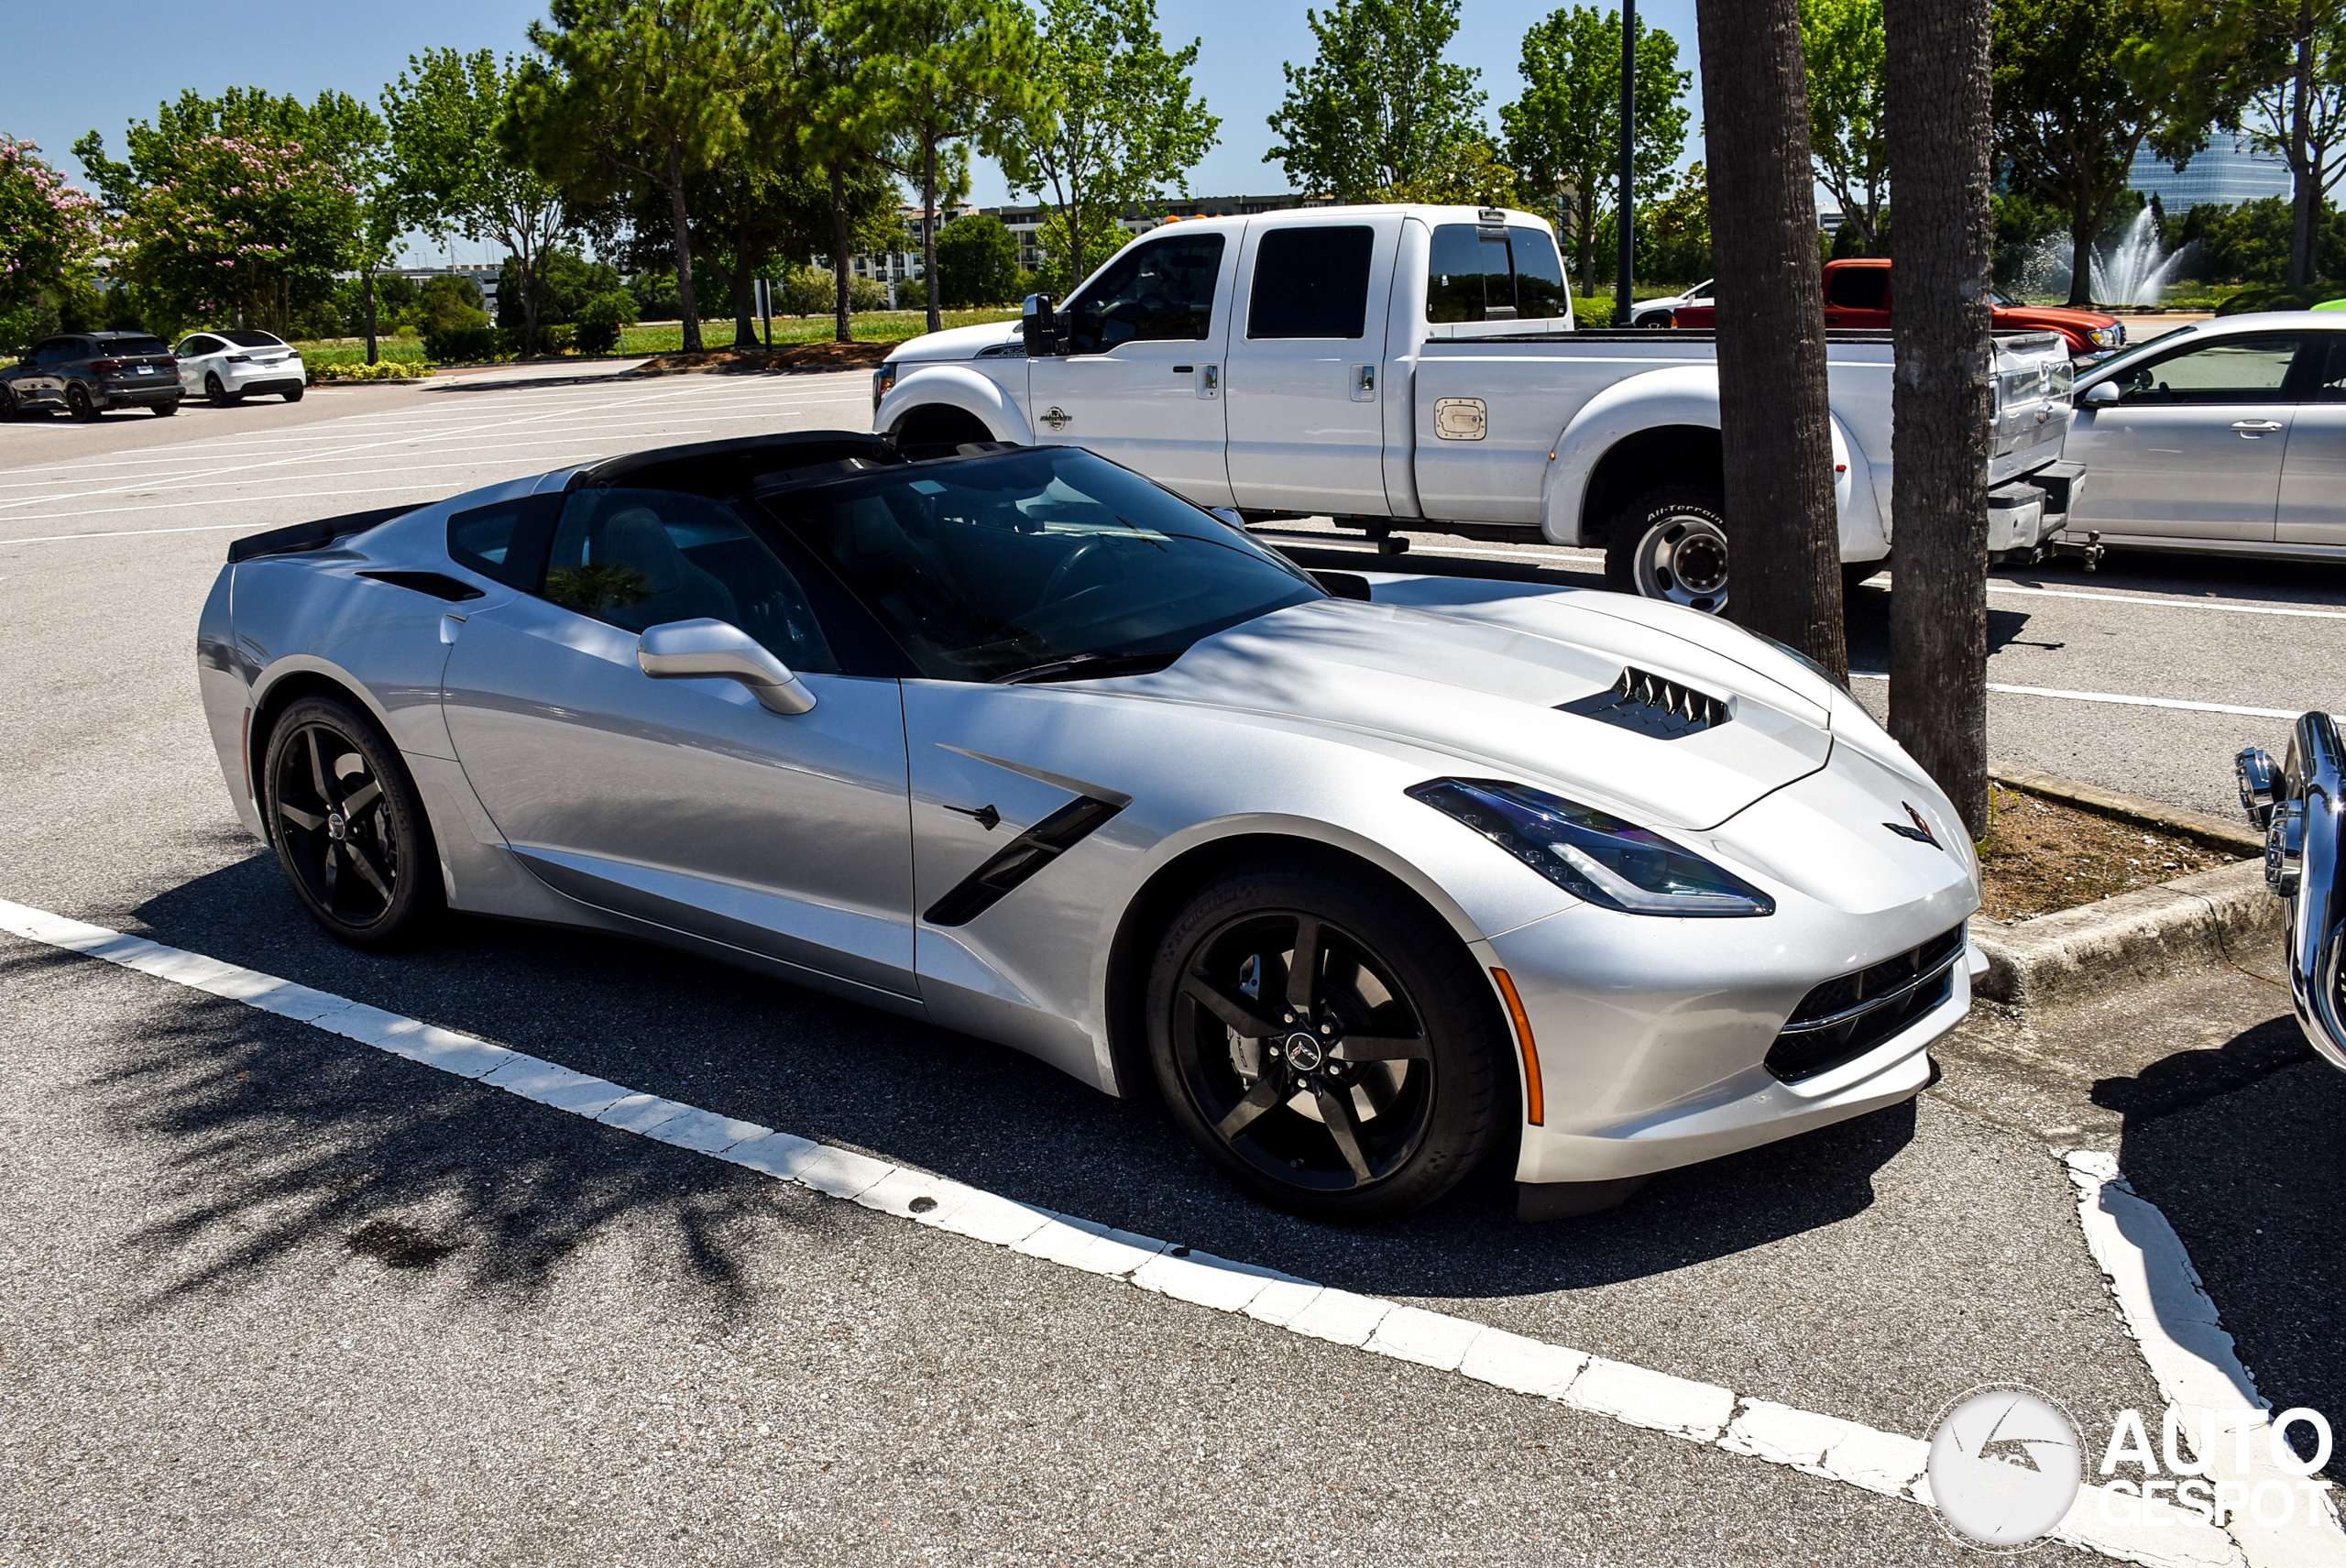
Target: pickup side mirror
2100, 393
682, 650
1042, 327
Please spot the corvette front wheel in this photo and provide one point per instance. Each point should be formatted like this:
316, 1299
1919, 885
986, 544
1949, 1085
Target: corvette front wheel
350, 830
1326, 1042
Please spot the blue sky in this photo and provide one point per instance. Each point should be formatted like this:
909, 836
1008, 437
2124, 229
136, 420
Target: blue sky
160, 49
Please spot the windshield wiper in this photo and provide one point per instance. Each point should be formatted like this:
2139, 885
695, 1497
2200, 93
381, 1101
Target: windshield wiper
1089, 666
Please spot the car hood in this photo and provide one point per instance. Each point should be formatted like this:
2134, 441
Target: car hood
2052, 316
1487, 683
954, 342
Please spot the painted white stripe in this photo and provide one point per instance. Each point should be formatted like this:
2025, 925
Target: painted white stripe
2168, 1312
2116, 697
2168, 603
1884, 1463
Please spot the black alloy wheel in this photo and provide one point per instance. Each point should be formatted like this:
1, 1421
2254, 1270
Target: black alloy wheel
349, 827
214, 391
1328, 1044
79, 404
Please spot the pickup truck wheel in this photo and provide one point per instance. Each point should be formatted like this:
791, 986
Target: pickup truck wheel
938, 426
1670, 543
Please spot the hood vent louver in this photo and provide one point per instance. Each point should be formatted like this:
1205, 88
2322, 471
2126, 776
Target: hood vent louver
1651, 705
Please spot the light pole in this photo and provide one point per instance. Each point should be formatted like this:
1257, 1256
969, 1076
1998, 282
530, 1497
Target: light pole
1624, 224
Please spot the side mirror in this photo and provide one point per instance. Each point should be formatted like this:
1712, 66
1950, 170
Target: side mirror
684, 650
1041, 326
2100, 393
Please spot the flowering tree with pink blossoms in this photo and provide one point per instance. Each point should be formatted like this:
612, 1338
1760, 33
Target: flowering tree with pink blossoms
49, 232
245, 226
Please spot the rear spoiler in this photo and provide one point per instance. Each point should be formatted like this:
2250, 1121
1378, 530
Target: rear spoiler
307, 536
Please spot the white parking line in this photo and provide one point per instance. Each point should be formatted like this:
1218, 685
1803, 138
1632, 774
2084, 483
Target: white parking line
2119, 699
2168, 603
1705, 1413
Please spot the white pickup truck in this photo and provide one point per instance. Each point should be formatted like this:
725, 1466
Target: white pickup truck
1412, 366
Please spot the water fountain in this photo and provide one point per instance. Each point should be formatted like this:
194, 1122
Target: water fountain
2136, 271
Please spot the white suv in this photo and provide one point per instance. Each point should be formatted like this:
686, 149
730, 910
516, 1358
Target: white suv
229, 366
1663, 311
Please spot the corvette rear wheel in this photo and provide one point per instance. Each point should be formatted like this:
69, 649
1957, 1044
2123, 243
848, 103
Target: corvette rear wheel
349, 827
1330, 1046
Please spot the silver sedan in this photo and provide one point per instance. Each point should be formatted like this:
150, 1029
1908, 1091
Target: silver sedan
2227, 437
1371, 878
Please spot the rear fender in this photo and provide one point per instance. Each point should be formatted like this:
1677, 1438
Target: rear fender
956, 387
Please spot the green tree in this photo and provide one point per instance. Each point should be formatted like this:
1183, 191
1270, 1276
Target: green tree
444, 113
1464, 173
643, 92
1848, 133
948, 70
855, 125
2073, 104
1564, 133
246, 205
1115, 122
1674, 232
977, 262
1376, 107
51, 233
2276, 70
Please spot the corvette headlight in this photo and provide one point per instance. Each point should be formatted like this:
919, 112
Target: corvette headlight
1593, 856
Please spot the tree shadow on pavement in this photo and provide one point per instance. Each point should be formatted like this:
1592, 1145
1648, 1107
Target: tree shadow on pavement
2243, 1148
245, 1094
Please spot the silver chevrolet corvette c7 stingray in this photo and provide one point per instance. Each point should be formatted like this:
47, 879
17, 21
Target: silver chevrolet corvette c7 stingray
1369, 875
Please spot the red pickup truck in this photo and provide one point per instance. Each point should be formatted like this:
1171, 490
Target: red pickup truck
1857, 295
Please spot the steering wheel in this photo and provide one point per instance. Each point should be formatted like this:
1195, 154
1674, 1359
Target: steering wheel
1055, 586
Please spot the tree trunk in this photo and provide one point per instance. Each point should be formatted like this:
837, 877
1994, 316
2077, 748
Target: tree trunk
2305, 196
372, 356
1941, 398
928, 230
686, 306
2081, 238
1588, 255
745, 300
531, 258
1774, 424
845, 328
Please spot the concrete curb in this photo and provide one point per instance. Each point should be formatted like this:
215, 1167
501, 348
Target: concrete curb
2213, 832
2206, 919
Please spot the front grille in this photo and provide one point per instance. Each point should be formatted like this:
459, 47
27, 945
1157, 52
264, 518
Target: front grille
1848, 1015
1651, 705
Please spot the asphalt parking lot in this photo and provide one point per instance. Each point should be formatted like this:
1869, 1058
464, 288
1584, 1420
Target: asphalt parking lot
268, 1295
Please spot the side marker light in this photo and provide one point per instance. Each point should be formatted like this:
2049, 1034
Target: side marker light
1535, 1105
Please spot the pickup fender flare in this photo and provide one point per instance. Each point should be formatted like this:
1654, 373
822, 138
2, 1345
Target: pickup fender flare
951, 385
1684, 395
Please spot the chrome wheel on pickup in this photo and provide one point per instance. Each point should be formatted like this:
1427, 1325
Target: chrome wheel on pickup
1670, 543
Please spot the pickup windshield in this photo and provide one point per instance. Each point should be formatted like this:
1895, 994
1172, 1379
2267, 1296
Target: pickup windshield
1047, 563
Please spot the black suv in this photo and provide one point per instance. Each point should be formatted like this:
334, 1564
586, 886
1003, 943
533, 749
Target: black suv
85, 373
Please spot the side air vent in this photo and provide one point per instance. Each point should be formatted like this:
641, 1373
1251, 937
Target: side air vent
1651, 705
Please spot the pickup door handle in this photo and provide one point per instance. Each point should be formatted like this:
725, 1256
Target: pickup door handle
2256, 427
1183, 369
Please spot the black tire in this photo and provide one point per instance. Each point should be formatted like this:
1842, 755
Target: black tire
1417, 1119
8, 410
293, 394
350, 830
165, 411
1854, 574
216, 393
936, 425
79, 404
1658, 319
1671, 543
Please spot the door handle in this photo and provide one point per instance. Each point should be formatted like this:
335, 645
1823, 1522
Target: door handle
2256, 427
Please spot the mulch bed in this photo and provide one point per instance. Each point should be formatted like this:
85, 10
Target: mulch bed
827, 354
2045, 855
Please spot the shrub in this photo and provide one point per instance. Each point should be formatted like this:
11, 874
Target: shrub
600, 319
385, 370
810, 291
465, 345
977, 261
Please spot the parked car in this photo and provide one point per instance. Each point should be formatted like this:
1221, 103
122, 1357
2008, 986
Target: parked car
233, 364
88, 373
1016, 742
2226, 437
1663, 311
1402, 367
1858, 296
2296, 807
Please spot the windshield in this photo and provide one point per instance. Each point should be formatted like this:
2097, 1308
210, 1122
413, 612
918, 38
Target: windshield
122, 347
1043, 565
253, 339
2001, 298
